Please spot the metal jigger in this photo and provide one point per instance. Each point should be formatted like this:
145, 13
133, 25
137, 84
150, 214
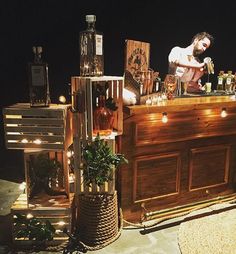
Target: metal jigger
209, 65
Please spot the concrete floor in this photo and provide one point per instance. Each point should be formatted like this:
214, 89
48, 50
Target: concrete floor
161, 239
158, 239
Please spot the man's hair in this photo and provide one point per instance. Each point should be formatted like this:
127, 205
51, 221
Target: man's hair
202, 35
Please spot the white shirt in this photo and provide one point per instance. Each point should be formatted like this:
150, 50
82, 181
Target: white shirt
177, 55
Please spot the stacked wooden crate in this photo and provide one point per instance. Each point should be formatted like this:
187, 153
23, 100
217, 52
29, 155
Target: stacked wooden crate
83, 105
42, 131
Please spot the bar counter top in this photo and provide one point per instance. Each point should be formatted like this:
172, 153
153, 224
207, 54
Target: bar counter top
183, 104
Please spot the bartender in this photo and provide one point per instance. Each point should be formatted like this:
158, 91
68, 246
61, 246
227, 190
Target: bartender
185, 64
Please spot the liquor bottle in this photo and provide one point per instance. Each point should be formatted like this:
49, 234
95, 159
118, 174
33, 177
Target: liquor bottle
157, 83
220, 81
91, 50
228, 82
38, 81
102, 118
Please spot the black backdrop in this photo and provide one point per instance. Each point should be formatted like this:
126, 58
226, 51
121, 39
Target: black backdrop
55, 24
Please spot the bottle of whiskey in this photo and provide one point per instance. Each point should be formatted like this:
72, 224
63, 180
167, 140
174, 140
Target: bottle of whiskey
38, 81
91, 50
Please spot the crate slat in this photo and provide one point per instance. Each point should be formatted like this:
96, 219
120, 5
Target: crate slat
50, 124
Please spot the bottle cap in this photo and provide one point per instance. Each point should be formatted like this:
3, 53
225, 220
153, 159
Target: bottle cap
90, 18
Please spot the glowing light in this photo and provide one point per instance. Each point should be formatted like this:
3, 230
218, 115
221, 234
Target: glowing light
223, 112
24, 140
61, 223
37, 141
22, 186
69, 154
164, 118
71, 178
62, 99
29, 216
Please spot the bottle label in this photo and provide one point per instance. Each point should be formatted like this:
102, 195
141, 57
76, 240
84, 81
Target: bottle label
220, 81
37, 75
228, 81
98, 39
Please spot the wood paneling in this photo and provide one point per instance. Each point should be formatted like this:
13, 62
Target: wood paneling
189, 159
156, 176
209, 167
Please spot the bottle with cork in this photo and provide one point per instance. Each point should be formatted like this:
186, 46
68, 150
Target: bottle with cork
91, 50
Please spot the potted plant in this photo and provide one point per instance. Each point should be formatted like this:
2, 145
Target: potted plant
98, 212
99, 162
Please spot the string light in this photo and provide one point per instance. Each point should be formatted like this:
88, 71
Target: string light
164, 118
61, 223
37, 141
22, 186
223, 112
24, 141
62, 99
29, 216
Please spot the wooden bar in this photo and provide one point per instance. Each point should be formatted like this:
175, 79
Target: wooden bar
188, 159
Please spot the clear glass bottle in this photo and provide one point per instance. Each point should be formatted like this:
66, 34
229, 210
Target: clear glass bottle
220, 81
228, 82
38, 80
156, 83
91, 50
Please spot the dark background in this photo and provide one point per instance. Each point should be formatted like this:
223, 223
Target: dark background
55, 25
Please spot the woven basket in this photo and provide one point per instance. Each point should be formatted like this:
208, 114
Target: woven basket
98, 218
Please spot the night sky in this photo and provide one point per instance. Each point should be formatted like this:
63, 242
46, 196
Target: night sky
55, 25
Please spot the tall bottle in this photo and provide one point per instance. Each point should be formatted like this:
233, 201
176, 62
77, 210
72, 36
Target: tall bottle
220, 81
228, 82
91, 50
38, 80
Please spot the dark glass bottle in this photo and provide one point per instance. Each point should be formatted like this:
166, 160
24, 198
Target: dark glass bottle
91, 50
38, 81
102, 118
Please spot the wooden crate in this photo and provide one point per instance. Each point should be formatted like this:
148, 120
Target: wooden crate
37, 128
81, 187
83, 100
60, 182
56, 211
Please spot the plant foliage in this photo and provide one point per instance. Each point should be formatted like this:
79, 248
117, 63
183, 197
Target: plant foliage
33, 229
100, 162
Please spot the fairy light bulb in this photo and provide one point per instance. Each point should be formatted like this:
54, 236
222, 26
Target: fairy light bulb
62, 99
69, 154
24, 141
29, 216
164, 118
22, 186
37, 141
223, 112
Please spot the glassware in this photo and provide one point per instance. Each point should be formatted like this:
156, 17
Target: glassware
102, 118
91, 50
220, 81
38, 80
228, 82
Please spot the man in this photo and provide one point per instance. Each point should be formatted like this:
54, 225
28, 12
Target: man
184, 62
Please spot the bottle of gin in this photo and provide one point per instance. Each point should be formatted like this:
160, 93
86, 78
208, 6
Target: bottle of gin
38, 81
91, 50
